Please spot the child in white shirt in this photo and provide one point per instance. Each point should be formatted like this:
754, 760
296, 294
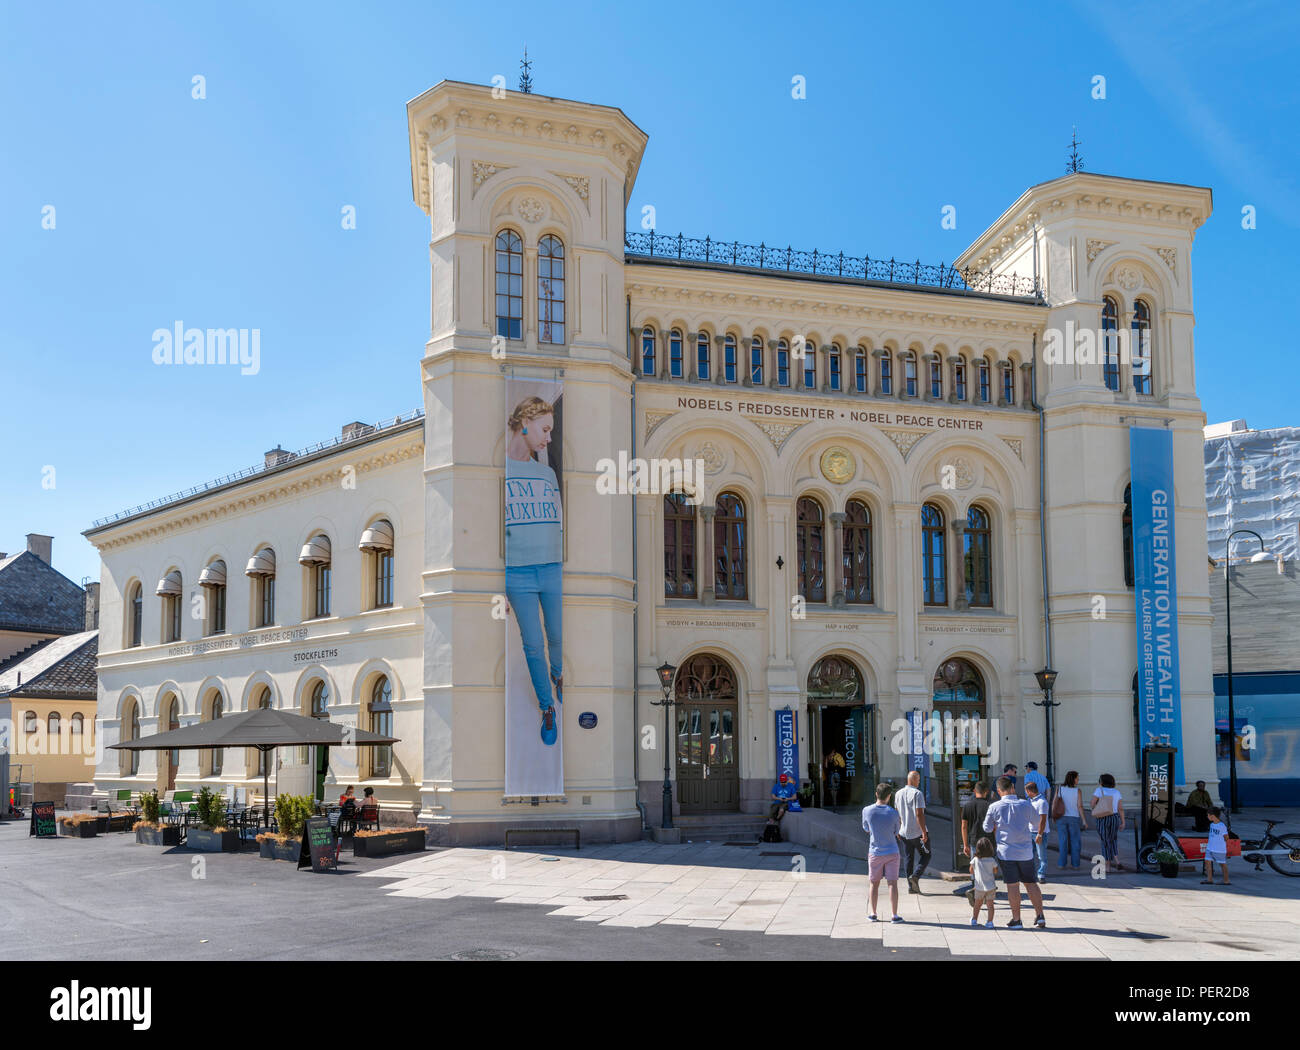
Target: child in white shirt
1216, 849
986, 887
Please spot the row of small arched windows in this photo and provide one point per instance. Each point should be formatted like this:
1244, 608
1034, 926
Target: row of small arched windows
853, 565
907, 373
510, 287
376, 546
53, 724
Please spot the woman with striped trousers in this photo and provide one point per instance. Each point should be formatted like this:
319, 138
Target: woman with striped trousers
1108, 814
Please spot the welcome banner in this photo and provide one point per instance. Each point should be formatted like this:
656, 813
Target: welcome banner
534, 541
1155, 589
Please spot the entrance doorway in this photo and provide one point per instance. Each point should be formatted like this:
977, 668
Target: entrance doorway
170, 717
708, 771
960, 705
841, 733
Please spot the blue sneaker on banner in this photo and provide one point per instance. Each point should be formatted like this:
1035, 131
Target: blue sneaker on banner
548, 725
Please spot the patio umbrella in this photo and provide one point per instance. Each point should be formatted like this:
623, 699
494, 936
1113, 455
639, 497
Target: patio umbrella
265, 729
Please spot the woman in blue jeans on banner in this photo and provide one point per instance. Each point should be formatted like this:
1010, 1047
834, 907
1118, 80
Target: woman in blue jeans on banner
534, 551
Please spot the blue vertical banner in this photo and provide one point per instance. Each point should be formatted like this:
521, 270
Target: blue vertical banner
1155, 589
918, 757
787, 747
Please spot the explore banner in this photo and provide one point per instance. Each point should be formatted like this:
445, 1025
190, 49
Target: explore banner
1155, 590
534, 545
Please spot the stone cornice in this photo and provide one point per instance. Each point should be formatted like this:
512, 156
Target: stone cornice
599, 131
256, 493
1117, 201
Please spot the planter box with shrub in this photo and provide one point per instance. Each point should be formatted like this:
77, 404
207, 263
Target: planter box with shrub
79, 827
222, 840
383, 843
162, 835
278, 847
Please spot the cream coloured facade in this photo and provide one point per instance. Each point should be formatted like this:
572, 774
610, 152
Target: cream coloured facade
867, 529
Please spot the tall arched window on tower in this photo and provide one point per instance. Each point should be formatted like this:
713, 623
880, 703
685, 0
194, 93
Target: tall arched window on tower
1110, 343
510, 285
909, 373
729, 578
886, 373
782, 363
810, 365
1126, 529
860, 370
679, 546
1008, 382
959, 379
934, 557
756, 360
985, 383
977, 558
857, 553
833, 363
647, 351
136, 634
936, 377
1141, 347
729, 364
810, 543
676, 368
702, 356
550, 289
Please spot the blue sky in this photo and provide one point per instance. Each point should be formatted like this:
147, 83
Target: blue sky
225, 211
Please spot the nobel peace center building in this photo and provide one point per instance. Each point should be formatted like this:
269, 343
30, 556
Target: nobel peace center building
829, 493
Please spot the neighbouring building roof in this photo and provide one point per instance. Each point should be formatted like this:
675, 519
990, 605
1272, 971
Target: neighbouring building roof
64, 667
34, 596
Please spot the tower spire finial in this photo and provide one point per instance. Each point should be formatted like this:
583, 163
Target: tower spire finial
526, 74
1075, 161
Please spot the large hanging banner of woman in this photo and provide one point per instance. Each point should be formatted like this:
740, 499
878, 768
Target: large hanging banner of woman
534, 547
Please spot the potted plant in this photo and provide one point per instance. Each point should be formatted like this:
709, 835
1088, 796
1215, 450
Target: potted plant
383, 842
150, 830
79, 826
212, 835
1168, 861
291, 813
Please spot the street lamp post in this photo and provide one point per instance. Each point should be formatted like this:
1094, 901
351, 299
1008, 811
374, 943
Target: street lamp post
1046, 680
1262, 555
666, 672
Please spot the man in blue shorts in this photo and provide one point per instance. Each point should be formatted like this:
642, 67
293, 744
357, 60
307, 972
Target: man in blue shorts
1016, 823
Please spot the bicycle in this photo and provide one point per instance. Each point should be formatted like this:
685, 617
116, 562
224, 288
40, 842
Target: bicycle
1284, 860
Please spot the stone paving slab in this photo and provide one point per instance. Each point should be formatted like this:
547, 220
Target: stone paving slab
1124, 916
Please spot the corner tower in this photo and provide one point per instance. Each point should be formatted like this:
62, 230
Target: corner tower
540, 168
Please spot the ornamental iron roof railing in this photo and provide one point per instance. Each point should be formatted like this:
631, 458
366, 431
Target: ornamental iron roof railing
653, 246
285, 459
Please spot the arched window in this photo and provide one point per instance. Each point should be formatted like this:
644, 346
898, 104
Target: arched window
510, 285
833, 366
261, 568
317, 557
1008, 382
756, 360
810, 542
54, 729
320, 699
729, 359
934, 557
169, 719
679, 546
376, 544
130, 760
213, 581
729, 548
860, 370
263, 757
31, 724
77, 724
1110, 343
985, 385
170, 589
857, 553
647, 351
936, 376
381, 722
958, 700
702, 356
976, 558
550, 289
959, 379
215, 711
676, 368
886, 373
810, 365
909, 374
1141, 326
1126, 530
782, 363
137, 616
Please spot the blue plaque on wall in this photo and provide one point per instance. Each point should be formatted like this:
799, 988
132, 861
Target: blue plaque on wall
587, 720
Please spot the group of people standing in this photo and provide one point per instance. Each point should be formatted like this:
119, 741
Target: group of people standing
1006, 836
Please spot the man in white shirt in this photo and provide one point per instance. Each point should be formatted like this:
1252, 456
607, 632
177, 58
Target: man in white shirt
910, 803
1042, 810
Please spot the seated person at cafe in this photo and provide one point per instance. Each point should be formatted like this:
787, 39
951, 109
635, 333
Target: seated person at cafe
1198, 805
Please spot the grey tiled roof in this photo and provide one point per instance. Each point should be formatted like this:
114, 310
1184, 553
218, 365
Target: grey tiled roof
36, 597
64, 667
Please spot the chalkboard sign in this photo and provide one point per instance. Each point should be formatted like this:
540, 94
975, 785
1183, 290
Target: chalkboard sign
317, 846
43, 825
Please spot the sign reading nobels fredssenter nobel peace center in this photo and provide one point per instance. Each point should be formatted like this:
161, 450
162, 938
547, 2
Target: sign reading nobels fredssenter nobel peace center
883, 475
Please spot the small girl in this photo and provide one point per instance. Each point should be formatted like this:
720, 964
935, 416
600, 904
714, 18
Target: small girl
986, 888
